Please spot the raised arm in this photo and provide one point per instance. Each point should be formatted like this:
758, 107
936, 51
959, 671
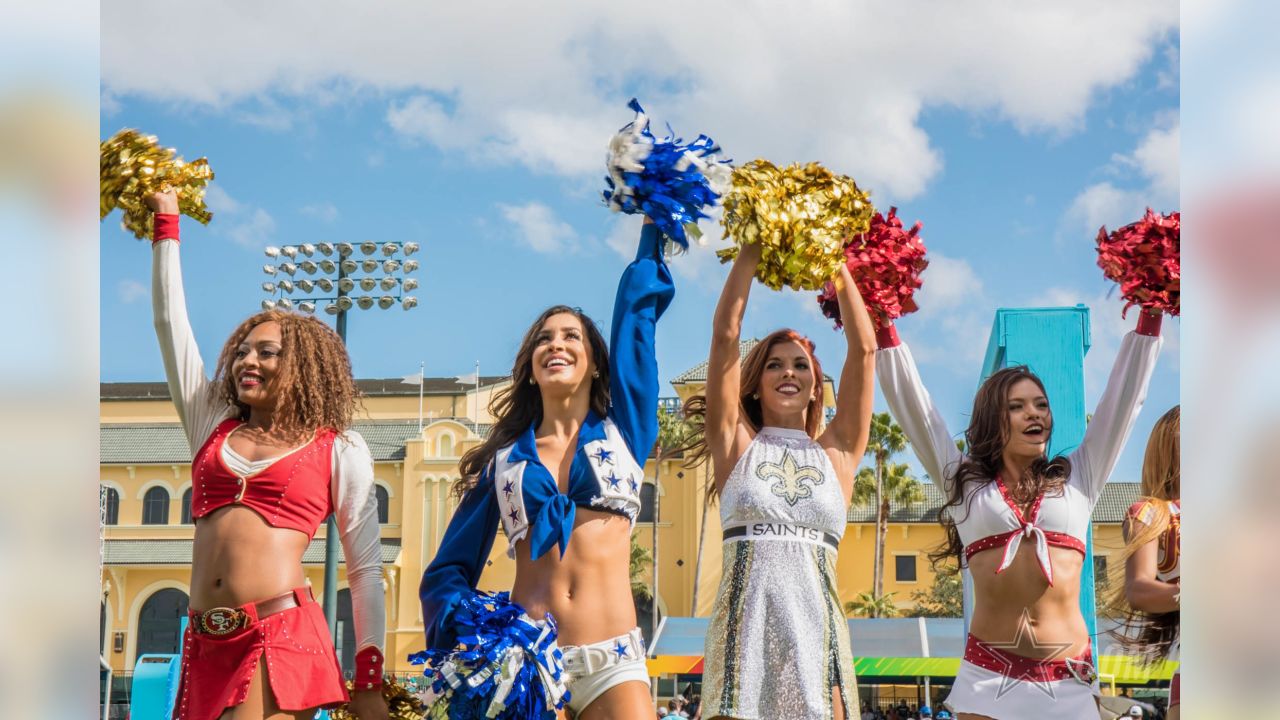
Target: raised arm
1117, 411
355, 506
912, 407
644, 292
849, 429
727, 436
198, 410
458, 564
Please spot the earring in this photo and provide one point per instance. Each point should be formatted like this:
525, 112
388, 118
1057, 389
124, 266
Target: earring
532, 381
755, 396
595, 373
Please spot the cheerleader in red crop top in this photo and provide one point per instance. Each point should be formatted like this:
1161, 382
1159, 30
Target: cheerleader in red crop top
274, 455
1019, 519
1147, 584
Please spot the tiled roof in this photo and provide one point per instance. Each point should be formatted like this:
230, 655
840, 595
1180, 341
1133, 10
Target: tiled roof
1115, 501
698, 373
161, 443
178, 552
374, 387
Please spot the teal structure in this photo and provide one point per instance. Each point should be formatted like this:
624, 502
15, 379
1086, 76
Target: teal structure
1053, 343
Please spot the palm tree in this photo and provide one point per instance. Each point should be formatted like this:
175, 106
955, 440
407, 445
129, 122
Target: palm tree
867, 604
886, 440
894, 486
640, 560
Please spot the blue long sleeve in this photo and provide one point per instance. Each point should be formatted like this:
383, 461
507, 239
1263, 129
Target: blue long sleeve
644, 293
456, 568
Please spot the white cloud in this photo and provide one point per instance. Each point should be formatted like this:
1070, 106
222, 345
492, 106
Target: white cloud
324, 212
955, 313
131, 291
845, 83
245, 225
1148, 177
538, 226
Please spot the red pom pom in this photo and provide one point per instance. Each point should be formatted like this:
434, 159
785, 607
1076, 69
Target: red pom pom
885, 262
1144, 259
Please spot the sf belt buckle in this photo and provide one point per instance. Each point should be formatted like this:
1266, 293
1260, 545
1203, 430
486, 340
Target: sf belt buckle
222, 621
1082, 670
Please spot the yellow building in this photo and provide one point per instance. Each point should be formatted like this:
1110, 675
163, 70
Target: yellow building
145, 481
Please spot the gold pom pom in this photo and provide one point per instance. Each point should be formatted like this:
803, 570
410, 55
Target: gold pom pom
133, 165
401, 703
801, 215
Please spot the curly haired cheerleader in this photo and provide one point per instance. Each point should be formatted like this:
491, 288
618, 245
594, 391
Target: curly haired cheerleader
561, 471
273, 456
1019, 519
1147, 588
778, 643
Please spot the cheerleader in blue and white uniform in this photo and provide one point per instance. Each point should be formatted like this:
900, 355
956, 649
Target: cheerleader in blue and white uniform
561, 471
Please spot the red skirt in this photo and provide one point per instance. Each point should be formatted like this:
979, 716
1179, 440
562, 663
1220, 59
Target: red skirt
302, 670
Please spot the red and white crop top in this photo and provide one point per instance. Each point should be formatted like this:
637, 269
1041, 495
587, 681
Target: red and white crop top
1169, 550
333, 473
989, 519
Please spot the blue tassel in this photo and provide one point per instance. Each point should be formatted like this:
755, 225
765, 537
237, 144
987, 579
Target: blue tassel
665, 179
505, 665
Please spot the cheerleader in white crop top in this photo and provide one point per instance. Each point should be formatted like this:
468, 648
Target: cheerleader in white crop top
778, 642
1019, 520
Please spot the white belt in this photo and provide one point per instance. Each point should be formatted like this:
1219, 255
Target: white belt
584, 660
782, 531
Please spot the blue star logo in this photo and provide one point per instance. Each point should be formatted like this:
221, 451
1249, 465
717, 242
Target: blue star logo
635, 487
514, 515
603, 456
509, 488
613, 480
620, 649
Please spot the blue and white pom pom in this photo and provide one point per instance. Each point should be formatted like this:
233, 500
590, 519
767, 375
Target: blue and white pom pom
505, 665
663, 178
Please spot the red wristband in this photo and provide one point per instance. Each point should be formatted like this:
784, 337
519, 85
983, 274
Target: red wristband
887, 337
368, 674
1149, 323
165, 227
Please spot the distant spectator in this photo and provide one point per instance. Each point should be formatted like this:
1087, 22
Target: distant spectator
1135, 712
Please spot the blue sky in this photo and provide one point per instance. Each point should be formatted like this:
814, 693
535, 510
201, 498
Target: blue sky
1011, 133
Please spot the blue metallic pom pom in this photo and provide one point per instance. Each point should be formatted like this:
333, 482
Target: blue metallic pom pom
506, 665
663, 178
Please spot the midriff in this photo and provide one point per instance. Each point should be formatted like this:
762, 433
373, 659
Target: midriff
238, 558
588, 591
1053, 611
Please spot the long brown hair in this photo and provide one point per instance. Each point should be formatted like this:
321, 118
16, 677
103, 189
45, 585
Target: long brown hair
518, 406
1149, 636
985, 440
696, 450
314, 387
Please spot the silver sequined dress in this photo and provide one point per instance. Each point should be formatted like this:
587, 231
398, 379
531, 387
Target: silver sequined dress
778, 643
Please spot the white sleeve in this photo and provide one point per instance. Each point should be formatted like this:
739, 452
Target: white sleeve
356, 509
913, 409
198, 409
1117, 411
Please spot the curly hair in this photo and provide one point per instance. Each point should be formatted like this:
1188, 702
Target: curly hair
519, 405
1149, 636
985, 440
314, 387
696, 450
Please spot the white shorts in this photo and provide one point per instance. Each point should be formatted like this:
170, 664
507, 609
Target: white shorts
592, 669
985, 692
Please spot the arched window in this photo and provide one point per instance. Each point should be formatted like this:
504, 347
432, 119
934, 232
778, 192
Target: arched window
445, 446
159, 622
384, 506
110, 505
647, 493
186, 507
155, 507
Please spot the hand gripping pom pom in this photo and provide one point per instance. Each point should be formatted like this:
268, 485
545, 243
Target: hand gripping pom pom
800, 215
505, 665
1144, 258
402, 704
133, 166
663, 178
885, 262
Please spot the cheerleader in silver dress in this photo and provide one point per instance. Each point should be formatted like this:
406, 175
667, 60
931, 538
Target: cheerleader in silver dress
778, 644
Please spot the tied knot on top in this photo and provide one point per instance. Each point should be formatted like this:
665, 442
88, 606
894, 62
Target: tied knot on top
553, 525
